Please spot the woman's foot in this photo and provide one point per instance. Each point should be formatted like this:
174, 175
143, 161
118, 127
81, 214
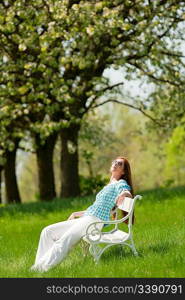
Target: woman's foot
37, 268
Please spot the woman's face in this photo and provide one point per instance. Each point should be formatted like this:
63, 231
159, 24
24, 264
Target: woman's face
117, 168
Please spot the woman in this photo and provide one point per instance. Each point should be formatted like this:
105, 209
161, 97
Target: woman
56, 240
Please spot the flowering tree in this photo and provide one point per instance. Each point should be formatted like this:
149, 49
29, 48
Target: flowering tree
53, 57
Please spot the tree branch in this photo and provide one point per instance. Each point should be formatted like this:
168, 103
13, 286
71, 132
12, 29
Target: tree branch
102, 91
131, 106
27, 150
148, 74
171, 54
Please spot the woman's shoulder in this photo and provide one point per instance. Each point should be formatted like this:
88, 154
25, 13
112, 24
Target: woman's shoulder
122, 181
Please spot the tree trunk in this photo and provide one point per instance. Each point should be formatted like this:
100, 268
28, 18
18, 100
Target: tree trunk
46, 178
69, 162
11, 186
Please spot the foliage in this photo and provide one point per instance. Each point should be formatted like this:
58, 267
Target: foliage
167, 103
92, 185
121, 133
129, 138
53, 55
175, 162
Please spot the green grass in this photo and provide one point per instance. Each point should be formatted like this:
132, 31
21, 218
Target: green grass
159, 234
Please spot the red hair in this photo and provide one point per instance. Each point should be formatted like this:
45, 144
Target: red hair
127, 173
128, 177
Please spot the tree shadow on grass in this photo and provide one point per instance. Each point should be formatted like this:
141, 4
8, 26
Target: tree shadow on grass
162, 247
117, 252
44, 207
121, 252
41, 208
162, 193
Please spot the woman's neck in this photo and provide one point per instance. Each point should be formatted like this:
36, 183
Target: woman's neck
113, 179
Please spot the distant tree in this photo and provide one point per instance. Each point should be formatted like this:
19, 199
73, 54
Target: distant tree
130, 138
168, 104
175, 158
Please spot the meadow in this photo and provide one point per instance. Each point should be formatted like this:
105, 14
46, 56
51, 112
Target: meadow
159, 233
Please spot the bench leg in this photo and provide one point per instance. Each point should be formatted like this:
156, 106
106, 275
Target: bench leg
85, 248
133, 247
95, 251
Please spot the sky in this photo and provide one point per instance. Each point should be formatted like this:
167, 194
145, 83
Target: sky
133, 86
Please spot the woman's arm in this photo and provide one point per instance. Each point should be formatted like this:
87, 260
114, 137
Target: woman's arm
76, 214
121, 197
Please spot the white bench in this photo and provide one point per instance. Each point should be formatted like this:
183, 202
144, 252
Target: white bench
95, 236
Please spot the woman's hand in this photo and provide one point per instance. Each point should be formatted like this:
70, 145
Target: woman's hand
72, 216
76, 215
122, 196
120, 200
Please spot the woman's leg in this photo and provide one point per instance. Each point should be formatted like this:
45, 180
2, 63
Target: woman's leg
49, 235
62, 246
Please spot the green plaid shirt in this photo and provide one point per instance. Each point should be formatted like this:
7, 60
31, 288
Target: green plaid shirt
105, 200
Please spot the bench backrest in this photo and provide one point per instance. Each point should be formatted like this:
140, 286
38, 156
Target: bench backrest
127, 204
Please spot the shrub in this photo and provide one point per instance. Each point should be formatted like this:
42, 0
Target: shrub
91, 185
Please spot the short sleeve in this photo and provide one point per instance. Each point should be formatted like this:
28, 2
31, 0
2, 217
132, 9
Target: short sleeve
122, 185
